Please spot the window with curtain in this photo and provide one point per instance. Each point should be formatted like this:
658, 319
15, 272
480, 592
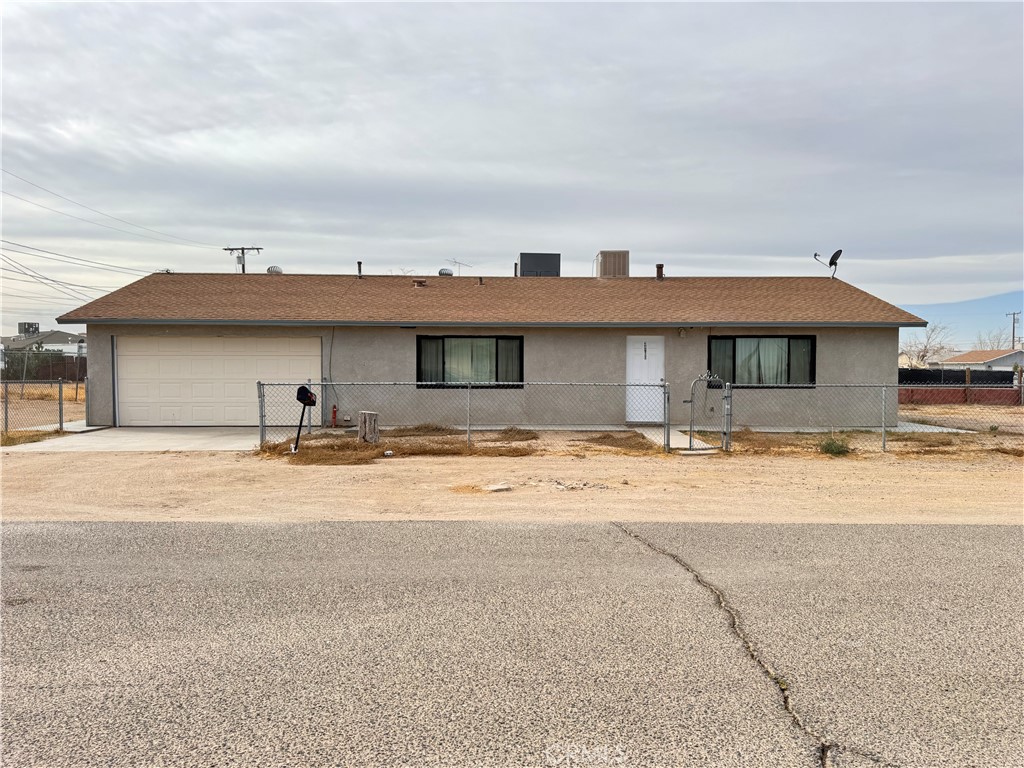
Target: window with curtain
762, 361
453, 361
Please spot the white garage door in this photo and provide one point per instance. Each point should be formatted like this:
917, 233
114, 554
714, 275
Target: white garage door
205, 380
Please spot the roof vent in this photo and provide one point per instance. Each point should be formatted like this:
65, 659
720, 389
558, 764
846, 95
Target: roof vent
419, 283
445, 272
275, 270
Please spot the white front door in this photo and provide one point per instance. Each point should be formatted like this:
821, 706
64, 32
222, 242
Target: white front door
645, 364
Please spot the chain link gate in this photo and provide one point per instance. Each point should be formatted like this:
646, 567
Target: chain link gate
710, 413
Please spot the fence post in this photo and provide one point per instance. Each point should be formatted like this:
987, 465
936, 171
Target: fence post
727, 418
263, 412
665, 418
309, 411
7, 400
60, 405
883, 418
469, 420
85, 386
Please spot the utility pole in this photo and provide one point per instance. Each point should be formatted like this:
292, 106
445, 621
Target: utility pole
240, 258
1013, 332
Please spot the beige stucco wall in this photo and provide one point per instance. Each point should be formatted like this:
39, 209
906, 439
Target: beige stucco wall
376, 354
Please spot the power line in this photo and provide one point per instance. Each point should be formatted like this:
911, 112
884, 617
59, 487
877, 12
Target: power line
105, 226
73, 285
47, 281
75, 260
40, 297
101, 213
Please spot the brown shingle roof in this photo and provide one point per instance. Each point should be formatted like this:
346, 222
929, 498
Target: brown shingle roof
980, 355
348, 300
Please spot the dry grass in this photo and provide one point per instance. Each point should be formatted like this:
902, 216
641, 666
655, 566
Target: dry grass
631, 442
514, 435
422, 430
44, 392
898, 443
26, 436
341, 450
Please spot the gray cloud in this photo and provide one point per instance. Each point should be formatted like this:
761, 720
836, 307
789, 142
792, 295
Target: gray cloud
732, 139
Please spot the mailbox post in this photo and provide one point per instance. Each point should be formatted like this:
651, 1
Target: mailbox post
308, 400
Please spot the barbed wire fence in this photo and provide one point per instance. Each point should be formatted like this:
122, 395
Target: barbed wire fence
560, 413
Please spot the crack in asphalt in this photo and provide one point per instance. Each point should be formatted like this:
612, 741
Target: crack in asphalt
827, 750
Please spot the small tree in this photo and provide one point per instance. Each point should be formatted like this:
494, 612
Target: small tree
932, 344
997, 339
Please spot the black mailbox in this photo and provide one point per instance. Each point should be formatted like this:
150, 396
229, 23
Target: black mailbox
305, 397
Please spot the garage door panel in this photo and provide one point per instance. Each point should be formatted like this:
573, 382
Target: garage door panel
169, 414
204, 390
239, 390
203, 414
137, 367
205, 380
165, 345
165, 391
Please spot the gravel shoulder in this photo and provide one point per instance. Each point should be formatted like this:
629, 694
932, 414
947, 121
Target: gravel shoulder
879, 488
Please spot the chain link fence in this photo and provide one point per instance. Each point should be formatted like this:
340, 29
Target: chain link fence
41, 406
551, 415
711, 414
877, 415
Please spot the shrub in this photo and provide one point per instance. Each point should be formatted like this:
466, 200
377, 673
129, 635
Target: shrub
834, 446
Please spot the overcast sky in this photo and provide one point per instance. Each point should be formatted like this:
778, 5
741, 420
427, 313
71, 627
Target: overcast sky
726, 139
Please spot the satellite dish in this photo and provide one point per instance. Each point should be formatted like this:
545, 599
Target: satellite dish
833, 262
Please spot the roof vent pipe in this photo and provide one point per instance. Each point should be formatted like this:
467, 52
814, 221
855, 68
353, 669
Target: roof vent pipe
660, 271
359, 269
481, 281
515, 269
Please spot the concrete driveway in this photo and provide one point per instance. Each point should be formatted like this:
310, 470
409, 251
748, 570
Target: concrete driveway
148, 439
501, 644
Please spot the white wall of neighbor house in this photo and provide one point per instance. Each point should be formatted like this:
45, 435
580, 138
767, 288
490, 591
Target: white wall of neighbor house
375, 354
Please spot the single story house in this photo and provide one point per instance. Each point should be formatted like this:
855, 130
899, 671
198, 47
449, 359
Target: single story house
69, 344
188, 349
985, 360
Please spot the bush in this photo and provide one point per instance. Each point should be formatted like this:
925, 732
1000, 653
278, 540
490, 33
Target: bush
834, 446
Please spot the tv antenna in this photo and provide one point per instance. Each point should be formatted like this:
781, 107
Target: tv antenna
833, 262
458, 264
240, 257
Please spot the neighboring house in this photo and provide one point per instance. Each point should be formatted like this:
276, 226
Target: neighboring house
48, 341
986, 360
188, 349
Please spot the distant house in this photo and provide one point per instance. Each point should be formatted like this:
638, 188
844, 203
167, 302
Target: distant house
188, 349
985, 360
47, 341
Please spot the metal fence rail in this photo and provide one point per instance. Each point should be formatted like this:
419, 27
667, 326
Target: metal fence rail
557, 411
44, 405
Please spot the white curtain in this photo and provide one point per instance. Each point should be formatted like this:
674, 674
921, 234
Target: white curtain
469, 360
774, 354
762, 361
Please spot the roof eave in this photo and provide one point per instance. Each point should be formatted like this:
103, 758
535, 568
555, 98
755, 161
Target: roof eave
503, 324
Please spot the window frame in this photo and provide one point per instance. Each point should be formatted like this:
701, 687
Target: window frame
789, 338
421, 384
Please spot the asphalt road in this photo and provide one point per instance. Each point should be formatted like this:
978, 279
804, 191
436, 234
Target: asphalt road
477, 644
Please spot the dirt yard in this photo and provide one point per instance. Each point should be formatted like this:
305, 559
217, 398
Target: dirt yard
983, 487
